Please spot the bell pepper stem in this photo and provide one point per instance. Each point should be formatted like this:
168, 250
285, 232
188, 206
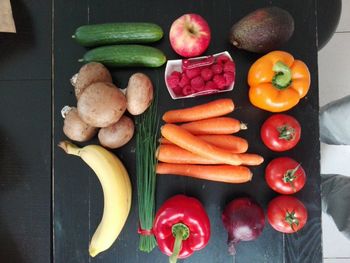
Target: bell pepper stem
283, 75
180, 232
177, 248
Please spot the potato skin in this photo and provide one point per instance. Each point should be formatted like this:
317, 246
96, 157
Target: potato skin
118, 134
139, 93
75, 129
101, 104
88, 74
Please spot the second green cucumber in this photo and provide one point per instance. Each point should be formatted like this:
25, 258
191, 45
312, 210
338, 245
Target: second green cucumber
126, 56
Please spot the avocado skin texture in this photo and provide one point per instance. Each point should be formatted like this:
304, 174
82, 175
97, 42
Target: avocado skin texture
263, 30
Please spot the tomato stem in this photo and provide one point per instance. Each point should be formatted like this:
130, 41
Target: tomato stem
292, 220
290, 176
286, 132
283, 75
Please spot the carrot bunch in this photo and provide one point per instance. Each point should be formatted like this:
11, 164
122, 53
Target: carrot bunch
203, 146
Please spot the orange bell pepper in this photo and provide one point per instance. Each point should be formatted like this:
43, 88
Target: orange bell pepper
277, 81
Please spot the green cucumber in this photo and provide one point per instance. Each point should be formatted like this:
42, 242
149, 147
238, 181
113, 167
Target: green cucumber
117, 33
126, 56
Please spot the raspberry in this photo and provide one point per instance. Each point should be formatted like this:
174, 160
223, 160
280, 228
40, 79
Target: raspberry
187, 90
178, 91
184, 81
216, 68
197, 83
176, 73
229, 66
220, 81
191, 73
222, 59
173, 80
210, 85
229, 78
207, 74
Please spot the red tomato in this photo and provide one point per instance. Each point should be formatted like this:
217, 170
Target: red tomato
285, 176
286, 214
280, 132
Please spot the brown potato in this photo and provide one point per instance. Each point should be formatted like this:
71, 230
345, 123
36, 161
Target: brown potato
118, 134
101, 104
74, 128
139, 93
88, 74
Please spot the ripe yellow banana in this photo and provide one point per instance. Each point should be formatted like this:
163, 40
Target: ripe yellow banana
116, 187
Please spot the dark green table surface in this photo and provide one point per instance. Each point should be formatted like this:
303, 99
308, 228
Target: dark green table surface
51, 203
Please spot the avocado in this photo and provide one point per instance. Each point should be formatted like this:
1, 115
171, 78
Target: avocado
263, 30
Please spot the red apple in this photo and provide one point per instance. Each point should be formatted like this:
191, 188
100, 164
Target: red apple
190, 35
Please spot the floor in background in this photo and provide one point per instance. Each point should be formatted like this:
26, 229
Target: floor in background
336, 260
334, 83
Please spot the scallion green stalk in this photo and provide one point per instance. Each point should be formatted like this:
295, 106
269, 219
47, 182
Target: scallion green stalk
147, 130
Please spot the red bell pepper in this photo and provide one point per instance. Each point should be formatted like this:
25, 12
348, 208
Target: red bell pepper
181, 227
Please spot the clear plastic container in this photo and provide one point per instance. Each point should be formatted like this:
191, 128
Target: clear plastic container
178, 64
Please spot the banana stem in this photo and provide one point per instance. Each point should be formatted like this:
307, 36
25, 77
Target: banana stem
69, 148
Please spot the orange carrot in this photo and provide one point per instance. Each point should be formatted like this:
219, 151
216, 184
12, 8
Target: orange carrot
170, 153
219, 173
229, 142
220, 125
162, 140
212, 109
190, 142
251, 159
232, 143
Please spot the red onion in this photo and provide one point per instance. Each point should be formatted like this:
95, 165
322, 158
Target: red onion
244, 220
